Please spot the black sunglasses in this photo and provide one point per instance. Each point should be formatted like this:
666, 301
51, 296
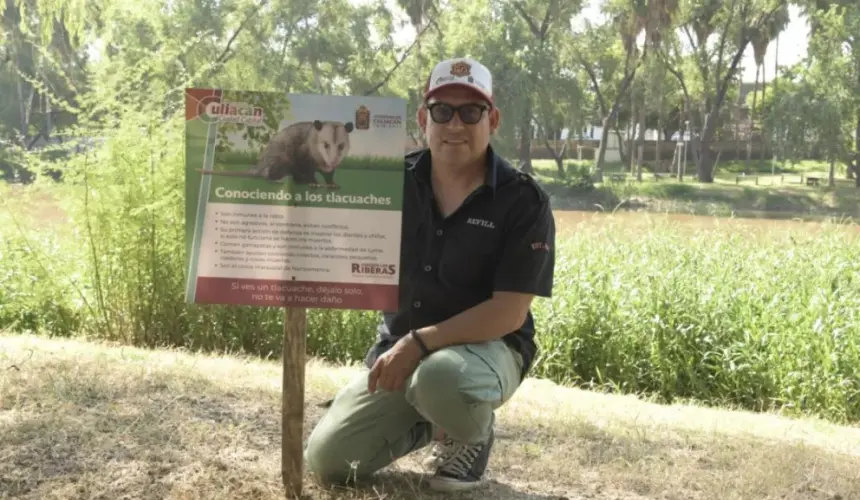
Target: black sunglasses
470, 114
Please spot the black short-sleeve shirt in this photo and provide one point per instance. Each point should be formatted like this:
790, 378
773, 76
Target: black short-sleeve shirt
502, 238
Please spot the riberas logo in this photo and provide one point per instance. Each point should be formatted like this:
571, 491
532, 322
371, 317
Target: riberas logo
366, 269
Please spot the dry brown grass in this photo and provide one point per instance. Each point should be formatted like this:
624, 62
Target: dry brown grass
87, 420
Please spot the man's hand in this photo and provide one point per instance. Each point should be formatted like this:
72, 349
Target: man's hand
394, 366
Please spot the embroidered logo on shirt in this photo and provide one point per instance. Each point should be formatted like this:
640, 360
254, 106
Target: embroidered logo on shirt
539, 245
481, 222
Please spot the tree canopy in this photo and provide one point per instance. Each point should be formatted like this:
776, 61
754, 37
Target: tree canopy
68, 68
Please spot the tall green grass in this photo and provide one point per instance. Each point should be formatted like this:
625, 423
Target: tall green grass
722, 316
728, 316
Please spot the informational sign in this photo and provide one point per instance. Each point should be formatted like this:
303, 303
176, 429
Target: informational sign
293, 200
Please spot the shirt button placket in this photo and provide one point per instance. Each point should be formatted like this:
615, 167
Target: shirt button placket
427, 268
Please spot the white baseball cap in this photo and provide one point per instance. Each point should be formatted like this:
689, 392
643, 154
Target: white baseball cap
464, 72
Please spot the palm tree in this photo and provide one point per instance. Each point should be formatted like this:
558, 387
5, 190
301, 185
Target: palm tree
661, 18
653, 17
761, 39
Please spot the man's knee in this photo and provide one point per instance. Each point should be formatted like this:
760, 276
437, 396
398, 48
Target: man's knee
328, 454
322, 458
482, 374
439, 377
455, 396
359, 434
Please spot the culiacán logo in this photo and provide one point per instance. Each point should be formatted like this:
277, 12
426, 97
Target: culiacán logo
213, 110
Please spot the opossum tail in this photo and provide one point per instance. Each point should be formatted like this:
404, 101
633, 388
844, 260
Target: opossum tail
246, 173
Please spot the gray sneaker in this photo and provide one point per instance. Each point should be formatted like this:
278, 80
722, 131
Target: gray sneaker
460, 466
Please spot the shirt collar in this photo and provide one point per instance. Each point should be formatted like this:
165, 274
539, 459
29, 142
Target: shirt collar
499, 171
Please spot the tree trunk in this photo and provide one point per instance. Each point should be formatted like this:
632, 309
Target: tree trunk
631, 131
705, 159
688, 143
526, 140
658, 143
763, 141
854, 169
49, 124
622, 148
856, 149
831, 176
738, 108
557, 156
776, 145
751, 120
857, 132
25, 110
601, 149
610, 118
705, 164
640, 143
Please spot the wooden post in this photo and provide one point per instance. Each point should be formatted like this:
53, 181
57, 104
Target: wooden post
293, 400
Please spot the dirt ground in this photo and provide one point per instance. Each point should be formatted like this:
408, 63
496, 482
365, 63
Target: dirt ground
84, 420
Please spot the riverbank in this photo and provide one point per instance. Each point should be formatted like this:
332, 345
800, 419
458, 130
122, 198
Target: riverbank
733, 194
758, 195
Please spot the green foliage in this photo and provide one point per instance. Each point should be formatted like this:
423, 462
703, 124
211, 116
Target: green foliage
578, 176
816, 111
36, 275
600, 53
720, 316
811, 121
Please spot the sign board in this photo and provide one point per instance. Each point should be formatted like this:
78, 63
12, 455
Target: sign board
293, 200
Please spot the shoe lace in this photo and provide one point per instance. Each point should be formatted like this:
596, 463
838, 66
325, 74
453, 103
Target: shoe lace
439, 452
458, 458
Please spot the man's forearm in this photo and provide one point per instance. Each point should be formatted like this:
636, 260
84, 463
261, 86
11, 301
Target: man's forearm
489, 320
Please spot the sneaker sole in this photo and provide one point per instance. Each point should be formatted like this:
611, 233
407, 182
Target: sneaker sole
447, 485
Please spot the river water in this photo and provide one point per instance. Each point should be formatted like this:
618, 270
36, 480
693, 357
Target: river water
46, 210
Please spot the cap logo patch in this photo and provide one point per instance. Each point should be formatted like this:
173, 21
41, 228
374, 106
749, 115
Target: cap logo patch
460, 69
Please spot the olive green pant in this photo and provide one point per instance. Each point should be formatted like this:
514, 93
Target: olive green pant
455, 389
